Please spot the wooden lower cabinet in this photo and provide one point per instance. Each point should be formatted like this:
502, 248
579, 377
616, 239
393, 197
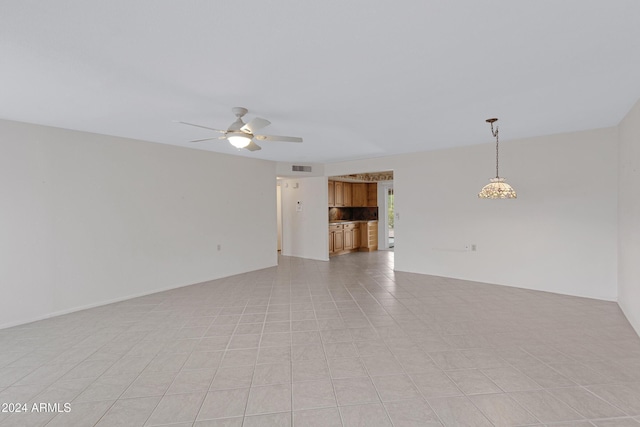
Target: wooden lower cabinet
353, 237
369, 236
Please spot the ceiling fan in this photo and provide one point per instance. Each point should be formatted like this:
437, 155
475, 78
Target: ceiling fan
241, 134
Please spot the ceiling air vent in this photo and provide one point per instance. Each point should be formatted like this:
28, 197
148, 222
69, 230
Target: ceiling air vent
296, 168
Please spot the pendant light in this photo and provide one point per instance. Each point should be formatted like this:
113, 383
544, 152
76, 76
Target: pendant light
497, 187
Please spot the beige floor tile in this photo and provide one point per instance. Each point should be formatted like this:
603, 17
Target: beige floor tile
204, 360
585, 403
435, 384
510, 379
451, 360
325, 417
382, 365
501, 410
546, 376
274, 355
88, 369
233, 377
81, 414
371, 415
346, 368
353, 391
46, 374
150, 384
176, 408
280, 339
274, 327
580, 374
313, 394
412, 413
618, 422
416, 362
244, 341
129, 412
340, 349
61, 391
473, 381
307, 352
270, 398
212, 343
190, 381
226, 422
239, 358
458, 411
282, 419
624, 396
224, 404
395, 387
105, 388
308, 370
544, 406
272, 373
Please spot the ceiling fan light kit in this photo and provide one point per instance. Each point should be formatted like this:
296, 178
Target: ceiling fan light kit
238, 140
241, 134
497, 187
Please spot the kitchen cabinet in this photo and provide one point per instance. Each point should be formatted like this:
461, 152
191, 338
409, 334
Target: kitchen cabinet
346, 194
332, 194
369, 236
356, 238
372, 194
336, 238
339, 193
359, 194
352, 194
350, 237
338, 241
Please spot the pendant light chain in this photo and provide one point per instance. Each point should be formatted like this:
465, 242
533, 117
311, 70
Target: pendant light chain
495, 134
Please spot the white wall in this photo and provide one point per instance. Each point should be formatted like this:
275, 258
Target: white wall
560, 235
629, 216
86, 219
305, 232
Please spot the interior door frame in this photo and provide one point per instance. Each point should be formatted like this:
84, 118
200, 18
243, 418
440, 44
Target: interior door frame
383, 217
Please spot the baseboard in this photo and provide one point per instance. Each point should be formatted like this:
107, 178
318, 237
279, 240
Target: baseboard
634, 320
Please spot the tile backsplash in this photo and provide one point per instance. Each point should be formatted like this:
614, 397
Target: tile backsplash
353, 214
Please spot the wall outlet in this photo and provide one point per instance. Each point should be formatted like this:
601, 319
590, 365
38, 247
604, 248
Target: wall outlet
474, 247
219, 247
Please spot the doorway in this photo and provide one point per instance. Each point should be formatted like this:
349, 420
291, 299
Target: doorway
390, 217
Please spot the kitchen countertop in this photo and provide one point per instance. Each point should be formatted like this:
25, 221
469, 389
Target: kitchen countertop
343, 221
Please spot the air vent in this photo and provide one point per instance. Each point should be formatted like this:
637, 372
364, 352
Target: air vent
296, 168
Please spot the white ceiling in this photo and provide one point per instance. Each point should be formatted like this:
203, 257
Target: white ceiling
355, 79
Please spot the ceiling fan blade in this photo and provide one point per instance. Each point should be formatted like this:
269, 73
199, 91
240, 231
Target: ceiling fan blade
278, 138
203, 127
255, 124
253, 146
208, 139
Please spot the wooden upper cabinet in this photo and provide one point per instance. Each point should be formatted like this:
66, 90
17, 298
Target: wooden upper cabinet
339, 193
372, 194
358, 194
332, 194
353, 194
346, 189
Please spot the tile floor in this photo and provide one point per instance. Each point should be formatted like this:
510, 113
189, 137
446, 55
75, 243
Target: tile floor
344, 343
